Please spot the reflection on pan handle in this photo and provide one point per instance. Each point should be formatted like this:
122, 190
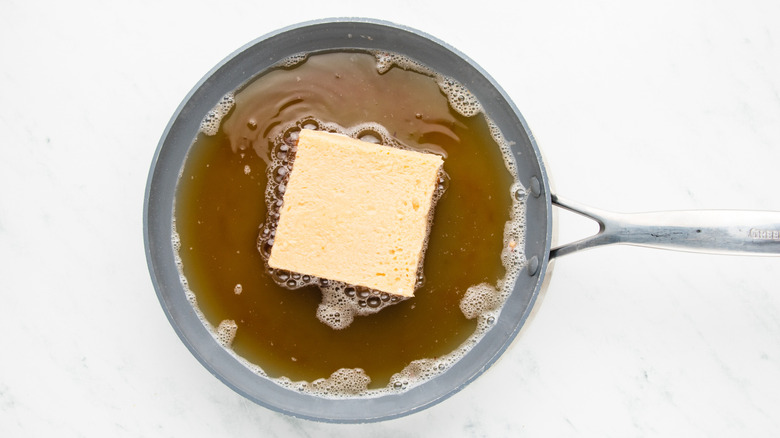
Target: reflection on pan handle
710, 231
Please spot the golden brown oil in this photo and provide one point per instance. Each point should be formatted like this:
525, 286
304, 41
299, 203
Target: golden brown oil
220, 204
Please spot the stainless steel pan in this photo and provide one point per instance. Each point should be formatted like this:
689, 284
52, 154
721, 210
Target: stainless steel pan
709, 231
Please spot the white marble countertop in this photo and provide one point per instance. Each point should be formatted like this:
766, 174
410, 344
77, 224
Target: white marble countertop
636, 105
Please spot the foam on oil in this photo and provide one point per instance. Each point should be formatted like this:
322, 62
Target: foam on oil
341, 303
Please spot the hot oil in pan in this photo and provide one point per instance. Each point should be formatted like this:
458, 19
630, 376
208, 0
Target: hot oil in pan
219, 210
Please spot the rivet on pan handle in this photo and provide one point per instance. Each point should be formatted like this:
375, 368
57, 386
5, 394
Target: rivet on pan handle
735, 232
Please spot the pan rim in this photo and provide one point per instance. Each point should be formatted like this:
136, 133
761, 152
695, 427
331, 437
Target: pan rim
181, 320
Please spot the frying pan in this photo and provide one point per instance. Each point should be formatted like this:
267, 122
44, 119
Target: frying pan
708, 231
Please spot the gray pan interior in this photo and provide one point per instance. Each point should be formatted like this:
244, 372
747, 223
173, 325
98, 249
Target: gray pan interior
255, 57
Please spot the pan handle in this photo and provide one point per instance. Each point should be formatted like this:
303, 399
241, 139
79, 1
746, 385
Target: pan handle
709, 231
